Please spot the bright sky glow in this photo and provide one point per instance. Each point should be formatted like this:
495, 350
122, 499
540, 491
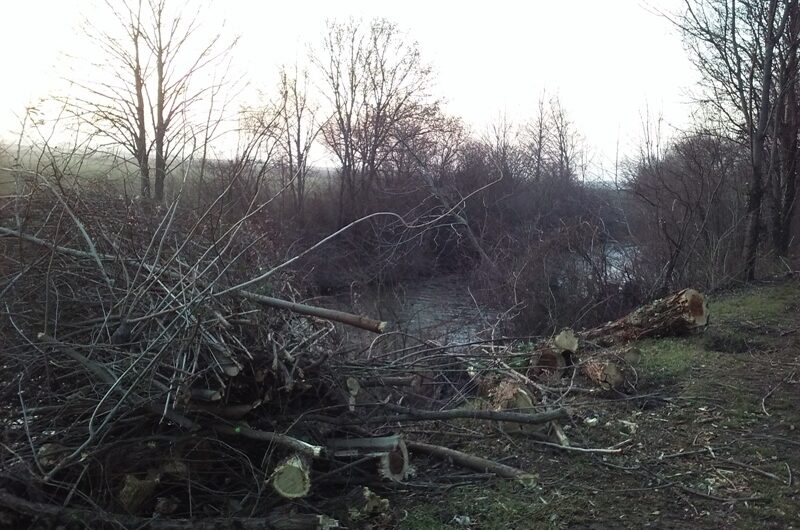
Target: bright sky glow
608, 60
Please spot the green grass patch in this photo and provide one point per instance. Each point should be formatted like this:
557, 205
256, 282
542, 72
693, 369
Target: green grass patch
765, 304
671, 358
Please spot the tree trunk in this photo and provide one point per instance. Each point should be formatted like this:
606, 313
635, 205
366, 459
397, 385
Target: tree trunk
161, 126
758, 140
141, 135
785, 186
677, 314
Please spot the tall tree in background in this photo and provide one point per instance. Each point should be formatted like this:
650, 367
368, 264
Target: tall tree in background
143, 96
374, 80
734, 45
299, 130
783, 177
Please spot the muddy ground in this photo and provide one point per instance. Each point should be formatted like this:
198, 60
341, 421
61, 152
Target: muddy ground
711, 440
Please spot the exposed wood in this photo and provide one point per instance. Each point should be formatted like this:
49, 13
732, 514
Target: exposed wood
291, 478
677, 314
510, 395
552, 357
612, 369
470, 461
395, 465
391, 452
601, 354
566, 341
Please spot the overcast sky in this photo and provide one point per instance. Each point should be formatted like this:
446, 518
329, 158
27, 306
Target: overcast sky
607, 60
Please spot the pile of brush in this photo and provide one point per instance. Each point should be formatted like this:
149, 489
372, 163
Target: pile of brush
157, 368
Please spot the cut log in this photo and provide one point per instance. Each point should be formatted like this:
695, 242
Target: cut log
291, 478
511, 396
612, 369
553, 357
677, 314
391, 452
566, 341
395, 465
358, 321
136, 491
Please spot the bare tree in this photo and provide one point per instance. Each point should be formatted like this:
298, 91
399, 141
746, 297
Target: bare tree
374, 79
142, 94
734, 45
299, 131
784, 147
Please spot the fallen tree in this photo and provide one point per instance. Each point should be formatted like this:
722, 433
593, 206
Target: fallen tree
604, 355
677, 314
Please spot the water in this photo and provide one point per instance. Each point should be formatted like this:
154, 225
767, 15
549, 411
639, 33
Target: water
439, 307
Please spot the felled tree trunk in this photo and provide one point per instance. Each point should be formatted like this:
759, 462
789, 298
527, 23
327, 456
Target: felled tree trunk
677, 314
603, 356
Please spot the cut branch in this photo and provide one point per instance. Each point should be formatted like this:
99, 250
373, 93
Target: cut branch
470, 461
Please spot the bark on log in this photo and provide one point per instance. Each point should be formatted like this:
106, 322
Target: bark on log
677, 314
358, 321
391, 453
291, 478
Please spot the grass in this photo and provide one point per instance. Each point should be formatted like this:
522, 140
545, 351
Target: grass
666, 360
710, 402
769, 304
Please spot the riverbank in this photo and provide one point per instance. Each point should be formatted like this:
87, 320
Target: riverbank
711, 440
